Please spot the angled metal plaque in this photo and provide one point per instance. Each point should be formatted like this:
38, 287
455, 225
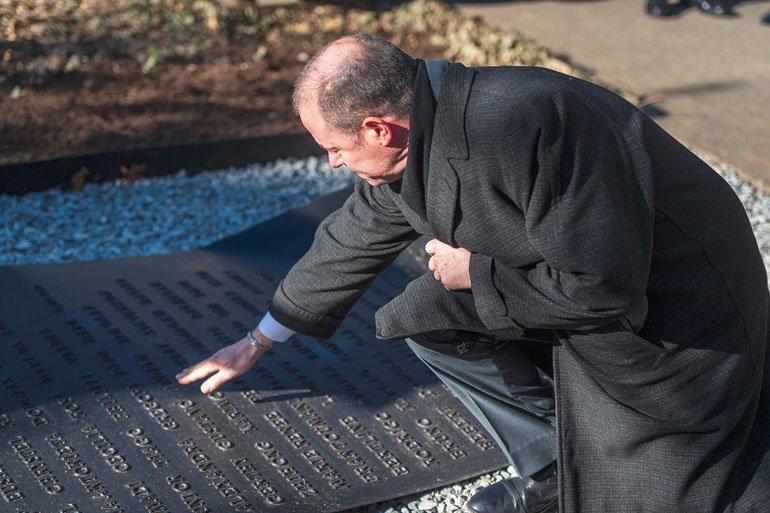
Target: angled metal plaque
92, 420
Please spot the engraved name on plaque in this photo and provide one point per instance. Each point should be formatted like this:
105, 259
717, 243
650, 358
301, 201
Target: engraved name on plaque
92, 420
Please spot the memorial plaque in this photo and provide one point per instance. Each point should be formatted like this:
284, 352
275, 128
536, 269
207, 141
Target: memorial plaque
92, 420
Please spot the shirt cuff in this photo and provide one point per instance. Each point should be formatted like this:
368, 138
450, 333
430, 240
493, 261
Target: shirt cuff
274, 330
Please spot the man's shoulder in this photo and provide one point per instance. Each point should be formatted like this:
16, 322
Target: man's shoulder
517, 80
516, 89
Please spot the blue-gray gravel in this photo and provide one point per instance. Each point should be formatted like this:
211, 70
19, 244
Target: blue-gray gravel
181, 212
156, 216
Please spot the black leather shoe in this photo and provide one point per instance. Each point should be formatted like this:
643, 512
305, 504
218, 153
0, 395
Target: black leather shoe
659, 8
517, 495
714, 7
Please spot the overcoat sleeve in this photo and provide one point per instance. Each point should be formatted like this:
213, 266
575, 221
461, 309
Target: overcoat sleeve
350, 248
584, 186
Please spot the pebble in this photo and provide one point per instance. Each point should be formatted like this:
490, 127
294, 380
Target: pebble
181, 212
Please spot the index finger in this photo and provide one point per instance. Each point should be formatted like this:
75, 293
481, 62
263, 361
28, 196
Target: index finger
198, 371
430, 246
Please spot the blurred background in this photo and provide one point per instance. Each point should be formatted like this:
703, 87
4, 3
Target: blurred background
86, 76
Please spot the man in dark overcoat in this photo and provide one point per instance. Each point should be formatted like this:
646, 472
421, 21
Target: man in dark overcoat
595, 294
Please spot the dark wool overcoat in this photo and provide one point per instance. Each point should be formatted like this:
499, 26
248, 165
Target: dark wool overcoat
587, 219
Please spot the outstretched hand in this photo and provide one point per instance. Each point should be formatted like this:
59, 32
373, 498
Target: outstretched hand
226, 364
451, 266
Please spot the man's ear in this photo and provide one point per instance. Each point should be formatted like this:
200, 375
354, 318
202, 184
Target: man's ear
376, 130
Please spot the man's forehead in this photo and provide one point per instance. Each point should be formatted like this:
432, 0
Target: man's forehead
331, 140
311, 119
325, 136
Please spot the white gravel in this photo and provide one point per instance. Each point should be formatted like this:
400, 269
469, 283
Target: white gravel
158, 215
180, 212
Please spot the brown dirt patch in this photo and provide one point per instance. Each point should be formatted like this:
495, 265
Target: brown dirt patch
110, 103
76, 92
115, 106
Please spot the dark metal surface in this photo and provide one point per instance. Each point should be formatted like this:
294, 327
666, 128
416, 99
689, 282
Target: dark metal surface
24, 177
92, 420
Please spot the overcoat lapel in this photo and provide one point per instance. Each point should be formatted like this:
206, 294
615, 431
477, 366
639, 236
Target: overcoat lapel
449, 143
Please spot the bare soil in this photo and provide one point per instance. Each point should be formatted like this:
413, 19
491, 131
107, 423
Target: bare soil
110, 102
89, 77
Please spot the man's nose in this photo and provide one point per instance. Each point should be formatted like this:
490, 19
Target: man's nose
334, 160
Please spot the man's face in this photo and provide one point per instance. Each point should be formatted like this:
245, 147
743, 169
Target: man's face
364, 153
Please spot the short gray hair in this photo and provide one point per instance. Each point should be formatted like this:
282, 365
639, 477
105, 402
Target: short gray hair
376, 81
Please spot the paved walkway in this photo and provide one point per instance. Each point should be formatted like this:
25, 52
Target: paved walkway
709, 77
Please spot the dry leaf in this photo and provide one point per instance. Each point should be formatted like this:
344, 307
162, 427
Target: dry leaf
78, 180
132, 172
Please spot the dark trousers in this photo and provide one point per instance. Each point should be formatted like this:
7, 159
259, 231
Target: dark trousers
499, 383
